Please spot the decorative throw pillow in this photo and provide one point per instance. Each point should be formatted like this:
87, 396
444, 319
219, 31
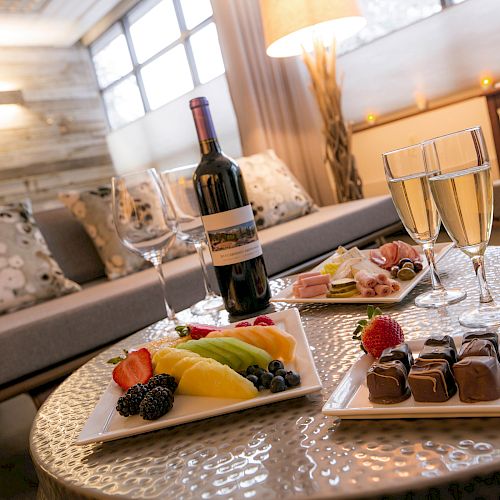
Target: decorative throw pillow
275, 194
28, 273
94, 210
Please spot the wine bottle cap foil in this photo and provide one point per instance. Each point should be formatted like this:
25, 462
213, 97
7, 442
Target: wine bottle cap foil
198, 102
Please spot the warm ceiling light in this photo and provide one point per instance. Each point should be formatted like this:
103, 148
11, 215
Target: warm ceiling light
371, 118
292, 25
11, 97
486, 82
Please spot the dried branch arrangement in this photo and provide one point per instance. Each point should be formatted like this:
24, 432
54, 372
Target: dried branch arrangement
326, 90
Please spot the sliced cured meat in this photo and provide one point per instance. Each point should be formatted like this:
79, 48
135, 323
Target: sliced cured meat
377, 258
365, 291
383, 290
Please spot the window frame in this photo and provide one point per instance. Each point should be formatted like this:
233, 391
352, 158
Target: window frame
122, 26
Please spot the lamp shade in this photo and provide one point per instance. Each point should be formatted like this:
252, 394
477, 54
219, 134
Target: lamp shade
290, 25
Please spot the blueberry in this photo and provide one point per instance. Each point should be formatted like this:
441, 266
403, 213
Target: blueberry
274, 365
265, 379
278, 384
292, 379
280, 373
259, 372
252, 369
254, 380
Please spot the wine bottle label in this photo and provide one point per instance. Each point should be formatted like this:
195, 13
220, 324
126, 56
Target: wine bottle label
232, 236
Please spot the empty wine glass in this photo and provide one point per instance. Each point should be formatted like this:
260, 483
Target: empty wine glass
460, 181
180, 185
145, 220
409, 186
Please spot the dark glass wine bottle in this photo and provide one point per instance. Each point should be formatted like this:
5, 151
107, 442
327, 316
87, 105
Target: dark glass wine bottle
228, 220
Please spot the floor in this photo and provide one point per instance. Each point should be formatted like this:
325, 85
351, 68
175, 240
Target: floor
18, 479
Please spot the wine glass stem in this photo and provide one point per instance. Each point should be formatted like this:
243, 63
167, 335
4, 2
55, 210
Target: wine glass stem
208, 288
157, 263
484, 292
429, 255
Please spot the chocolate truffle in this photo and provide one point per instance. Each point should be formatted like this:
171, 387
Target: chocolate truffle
477, 347
431, 381
440, 340
439, 352
491, 336
387, 382
478, 378
401, 352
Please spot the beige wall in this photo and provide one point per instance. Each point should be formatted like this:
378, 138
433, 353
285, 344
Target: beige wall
368, 145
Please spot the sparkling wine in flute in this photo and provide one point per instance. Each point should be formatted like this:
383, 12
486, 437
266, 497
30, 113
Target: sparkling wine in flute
416, 208
464, 199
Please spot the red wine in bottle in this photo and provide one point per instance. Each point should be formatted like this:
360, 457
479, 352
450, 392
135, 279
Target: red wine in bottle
229, 222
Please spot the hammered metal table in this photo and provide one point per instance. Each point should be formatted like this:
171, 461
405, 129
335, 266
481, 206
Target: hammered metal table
283, 450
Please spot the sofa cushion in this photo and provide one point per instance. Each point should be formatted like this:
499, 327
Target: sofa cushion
28, 273
70, 244
275, 194
300, 240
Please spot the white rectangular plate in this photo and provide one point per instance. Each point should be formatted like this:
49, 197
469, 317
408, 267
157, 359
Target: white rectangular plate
286, 295
105, 424
350, 399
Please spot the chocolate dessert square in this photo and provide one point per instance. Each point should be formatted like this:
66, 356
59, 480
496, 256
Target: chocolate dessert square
477, 347
387, 382
478, 378
491, 336
431, 381
441, 340
401, 352
439, 352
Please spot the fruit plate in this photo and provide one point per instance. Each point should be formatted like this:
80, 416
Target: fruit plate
286, 294
350, 398
105, 424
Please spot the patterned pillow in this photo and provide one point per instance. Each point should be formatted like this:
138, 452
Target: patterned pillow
28, 273
94, 210
275, 194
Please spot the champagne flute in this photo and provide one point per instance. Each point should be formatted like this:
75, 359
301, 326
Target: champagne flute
145, 220
460, 180
409, 185
180, 185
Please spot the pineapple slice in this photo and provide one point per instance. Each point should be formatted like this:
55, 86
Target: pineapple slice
165, 359
183, 364
279, 344
212, 379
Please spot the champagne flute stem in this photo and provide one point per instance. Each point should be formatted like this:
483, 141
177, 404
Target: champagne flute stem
484, 292
429, 255
157, 263
208, 288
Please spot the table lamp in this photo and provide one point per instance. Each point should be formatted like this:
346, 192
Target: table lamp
292, 27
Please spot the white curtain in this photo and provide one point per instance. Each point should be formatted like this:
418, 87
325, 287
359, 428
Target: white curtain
271, 98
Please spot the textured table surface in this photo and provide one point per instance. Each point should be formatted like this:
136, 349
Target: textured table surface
283, 450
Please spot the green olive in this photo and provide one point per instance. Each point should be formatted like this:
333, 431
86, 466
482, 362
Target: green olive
394, 271
409, 265
406, 274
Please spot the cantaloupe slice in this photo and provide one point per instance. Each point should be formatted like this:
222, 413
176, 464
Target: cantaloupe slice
278, 343
213, 379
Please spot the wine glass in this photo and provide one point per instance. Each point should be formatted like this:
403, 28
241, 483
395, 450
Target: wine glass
460, 180
409, 186
145, 220
180, 185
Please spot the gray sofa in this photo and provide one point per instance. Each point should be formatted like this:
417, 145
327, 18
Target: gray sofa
50, 339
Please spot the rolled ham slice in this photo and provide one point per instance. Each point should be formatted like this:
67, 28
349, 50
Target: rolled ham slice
395, 286
383, 279
365, 279
311, 291
322, 279
383, 290
302, 276
365, 291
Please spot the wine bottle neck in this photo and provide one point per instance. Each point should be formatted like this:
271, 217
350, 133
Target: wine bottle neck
205, 129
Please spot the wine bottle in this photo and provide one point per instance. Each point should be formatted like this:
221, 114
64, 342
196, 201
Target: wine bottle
228, 221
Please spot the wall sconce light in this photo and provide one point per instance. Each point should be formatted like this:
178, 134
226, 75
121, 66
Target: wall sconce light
11, 97
371, 118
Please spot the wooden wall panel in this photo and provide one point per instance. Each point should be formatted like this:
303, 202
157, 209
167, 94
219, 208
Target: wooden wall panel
58, 136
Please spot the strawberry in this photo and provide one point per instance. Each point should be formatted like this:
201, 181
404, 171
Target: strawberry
196, 330
243, 324
378, 332
263, 321
134, 368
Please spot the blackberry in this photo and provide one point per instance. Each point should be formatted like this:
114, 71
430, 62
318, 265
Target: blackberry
162, 380
156, 403
129, 403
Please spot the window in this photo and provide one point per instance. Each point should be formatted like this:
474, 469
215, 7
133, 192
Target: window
160, 50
